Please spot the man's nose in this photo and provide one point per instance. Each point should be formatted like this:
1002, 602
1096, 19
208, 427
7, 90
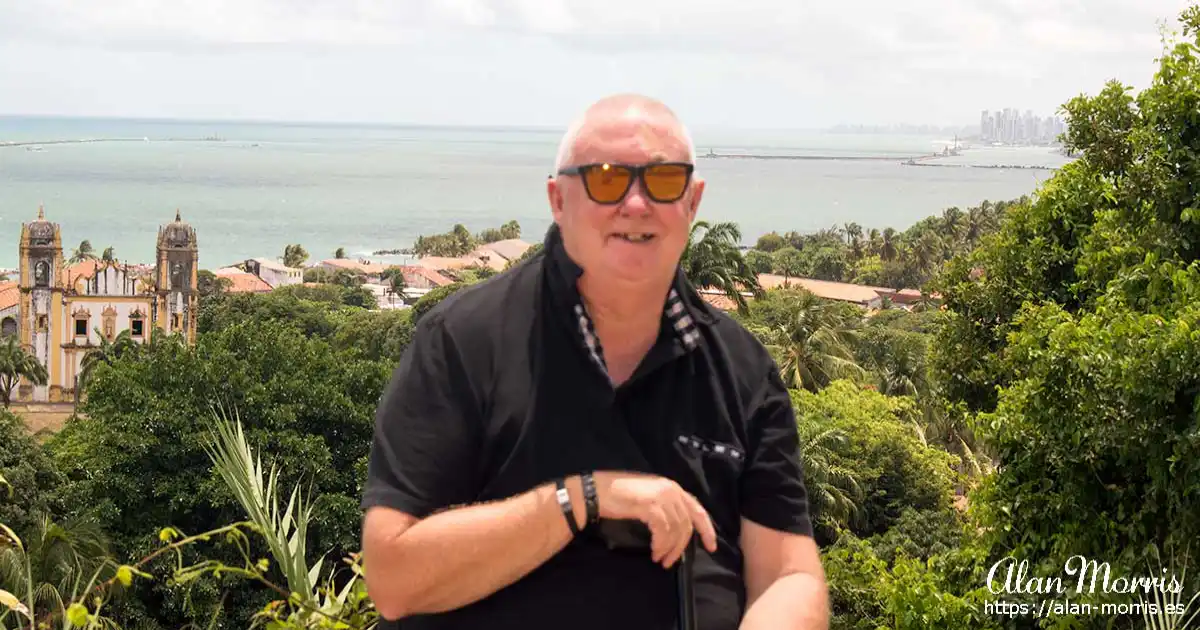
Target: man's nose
636, 202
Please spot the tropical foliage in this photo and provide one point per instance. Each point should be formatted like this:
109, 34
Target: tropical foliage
17, 365
1049, 410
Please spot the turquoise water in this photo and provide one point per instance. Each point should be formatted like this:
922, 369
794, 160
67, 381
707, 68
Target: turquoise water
261, 186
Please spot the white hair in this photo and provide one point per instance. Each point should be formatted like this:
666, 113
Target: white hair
566, 147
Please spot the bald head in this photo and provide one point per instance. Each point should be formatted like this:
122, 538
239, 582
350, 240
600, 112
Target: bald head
616, 108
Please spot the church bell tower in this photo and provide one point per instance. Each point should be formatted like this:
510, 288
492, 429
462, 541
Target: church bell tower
175, 276
41, 302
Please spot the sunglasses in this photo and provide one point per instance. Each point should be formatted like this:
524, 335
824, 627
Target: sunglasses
607, 183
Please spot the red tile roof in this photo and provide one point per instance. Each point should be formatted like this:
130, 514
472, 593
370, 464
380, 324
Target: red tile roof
243, 282
841, 291
10, 294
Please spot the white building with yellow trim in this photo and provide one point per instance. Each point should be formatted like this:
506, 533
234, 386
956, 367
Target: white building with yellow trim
62, 311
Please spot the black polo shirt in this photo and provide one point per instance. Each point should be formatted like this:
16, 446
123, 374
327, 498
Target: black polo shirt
504, 389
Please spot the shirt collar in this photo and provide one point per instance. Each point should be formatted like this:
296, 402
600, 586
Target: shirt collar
680, 314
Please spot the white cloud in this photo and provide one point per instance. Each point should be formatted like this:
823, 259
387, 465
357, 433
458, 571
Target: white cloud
872, 60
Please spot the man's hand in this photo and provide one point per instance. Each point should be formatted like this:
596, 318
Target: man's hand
669, 511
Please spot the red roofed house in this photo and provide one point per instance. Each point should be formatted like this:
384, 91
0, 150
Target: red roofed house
242, 281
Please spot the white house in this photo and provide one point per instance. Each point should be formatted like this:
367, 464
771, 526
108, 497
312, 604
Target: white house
274, 273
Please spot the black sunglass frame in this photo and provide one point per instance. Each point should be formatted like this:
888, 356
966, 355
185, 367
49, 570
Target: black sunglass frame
637, 174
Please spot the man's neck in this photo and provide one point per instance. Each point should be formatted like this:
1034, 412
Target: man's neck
627, 321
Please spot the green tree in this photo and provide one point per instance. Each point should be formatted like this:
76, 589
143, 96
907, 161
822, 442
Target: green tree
54, 564
32, 477
715, 260
208, 284
16, 364
534, 250
893, 467
136, 456
790, 263
106, 354
294, 255
811, 339
339, 253
1071, 335
84, 252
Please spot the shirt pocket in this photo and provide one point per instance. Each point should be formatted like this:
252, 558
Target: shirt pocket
713, 450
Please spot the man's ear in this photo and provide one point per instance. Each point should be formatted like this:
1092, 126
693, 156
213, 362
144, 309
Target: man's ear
555, 197
694, 202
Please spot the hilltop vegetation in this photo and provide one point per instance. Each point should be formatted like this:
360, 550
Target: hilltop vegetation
1050, 409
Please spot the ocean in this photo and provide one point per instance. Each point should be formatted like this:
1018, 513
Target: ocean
251, 188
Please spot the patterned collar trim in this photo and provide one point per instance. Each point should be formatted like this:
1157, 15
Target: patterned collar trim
675, 311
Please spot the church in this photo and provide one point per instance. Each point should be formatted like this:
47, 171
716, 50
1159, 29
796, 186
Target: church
62, 311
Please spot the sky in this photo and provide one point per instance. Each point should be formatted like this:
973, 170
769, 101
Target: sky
776, 64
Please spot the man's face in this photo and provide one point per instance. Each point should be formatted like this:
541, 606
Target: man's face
608, 240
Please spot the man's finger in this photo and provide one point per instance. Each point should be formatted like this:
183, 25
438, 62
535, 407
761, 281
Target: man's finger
681, 532
703, 523
661, 539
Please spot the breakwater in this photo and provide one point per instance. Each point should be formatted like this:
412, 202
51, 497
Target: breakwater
827, 158
36, 143
1033, 167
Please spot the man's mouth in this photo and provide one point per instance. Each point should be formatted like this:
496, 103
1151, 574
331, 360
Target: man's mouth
634, 237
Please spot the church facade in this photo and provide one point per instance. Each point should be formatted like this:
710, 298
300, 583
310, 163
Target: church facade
64, 310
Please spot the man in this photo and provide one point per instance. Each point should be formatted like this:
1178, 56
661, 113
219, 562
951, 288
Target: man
591, 386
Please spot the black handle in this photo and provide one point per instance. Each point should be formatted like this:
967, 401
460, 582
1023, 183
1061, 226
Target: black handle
683, 585
634, 535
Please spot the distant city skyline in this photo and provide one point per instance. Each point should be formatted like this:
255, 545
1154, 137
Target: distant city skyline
1011, 126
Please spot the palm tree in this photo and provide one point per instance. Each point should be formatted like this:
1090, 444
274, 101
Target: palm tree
897, 359
15, 364
854, 238
339, 253
813, 346
107, 353
950, 430
953, 221
887, 247
82, 253
874, 241
833, 490
109, 255
53, 566
715, 260
394, 278
979, 221
294, 255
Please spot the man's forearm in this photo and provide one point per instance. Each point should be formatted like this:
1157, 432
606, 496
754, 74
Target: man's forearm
454, 558
799, 601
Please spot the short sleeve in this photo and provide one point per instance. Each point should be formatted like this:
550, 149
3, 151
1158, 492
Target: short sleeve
426, 437
773, 491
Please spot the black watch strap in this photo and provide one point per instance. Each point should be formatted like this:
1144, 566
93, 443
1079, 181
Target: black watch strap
564, 502
590, 498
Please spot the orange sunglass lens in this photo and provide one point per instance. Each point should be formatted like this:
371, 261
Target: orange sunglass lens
607, 183
666, 181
